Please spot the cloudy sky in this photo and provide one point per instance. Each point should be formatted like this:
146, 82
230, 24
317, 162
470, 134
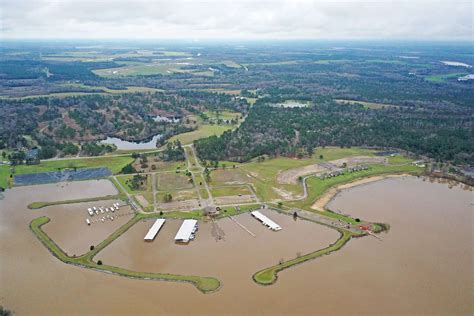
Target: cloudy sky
237, 19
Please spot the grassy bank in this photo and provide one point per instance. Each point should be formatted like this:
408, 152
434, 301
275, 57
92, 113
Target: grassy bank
204, 284
38, 205
317, 187
115, 164
269, 275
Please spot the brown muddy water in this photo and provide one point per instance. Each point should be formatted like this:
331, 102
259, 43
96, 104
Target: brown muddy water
423, 265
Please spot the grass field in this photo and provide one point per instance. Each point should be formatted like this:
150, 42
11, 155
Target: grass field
230, 190
224, 115
115, 164
444, 77
203, 131
180, 195
173, 181
139, 70
4, 176
367, 105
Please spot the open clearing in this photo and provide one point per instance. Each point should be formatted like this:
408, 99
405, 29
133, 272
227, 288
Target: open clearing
367, 105
173, 181
291, 176
203, 131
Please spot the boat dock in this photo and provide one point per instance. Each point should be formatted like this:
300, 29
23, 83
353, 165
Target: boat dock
154, 229
266, 221
186, 231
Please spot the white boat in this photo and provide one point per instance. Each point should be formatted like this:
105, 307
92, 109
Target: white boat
102, 219
95, 208
90, 211
88, 221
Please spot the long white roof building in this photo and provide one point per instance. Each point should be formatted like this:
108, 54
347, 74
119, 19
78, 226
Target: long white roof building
265, 220
154, 229
185, 231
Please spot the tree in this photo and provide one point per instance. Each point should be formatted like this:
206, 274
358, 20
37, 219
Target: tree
321, 157
99, 262
91, 247
167, 198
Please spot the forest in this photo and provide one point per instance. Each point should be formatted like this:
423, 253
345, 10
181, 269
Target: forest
268, 130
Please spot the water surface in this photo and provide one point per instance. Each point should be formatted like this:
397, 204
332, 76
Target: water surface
423, 265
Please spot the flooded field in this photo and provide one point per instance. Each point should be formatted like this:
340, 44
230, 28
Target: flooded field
423, 265
223, 258
70, 231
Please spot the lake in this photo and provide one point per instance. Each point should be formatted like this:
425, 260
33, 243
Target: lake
423, 265
127, 145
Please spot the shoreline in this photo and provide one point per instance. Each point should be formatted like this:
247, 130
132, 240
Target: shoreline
321, 203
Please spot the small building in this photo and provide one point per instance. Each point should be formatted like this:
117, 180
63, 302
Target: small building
266, 221
186, 231
154, 229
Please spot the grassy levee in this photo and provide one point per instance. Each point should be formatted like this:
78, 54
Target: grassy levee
4, 176
38, 205
269, 275
204, 284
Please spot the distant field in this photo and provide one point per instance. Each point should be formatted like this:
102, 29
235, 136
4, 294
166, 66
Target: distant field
225, 115
444, 77
139, 70
105, 90
367, 105
201, 132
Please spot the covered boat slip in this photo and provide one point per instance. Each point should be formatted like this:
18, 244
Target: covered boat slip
186, 231
266, 221
154, 229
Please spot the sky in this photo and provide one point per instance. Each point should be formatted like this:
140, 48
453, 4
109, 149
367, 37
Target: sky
236, 19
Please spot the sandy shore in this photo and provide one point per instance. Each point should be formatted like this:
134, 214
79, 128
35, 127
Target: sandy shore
320, 204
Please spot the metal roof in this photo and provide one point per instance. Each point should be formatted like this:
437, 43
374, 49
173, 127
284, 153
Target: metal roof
154, 229
185, 230
265, 220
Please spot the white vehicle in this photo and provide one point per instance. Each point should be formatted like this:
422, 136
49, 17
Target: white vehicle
95, 208
102, 219
90, 211
112, 218
102, 211
88, 222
